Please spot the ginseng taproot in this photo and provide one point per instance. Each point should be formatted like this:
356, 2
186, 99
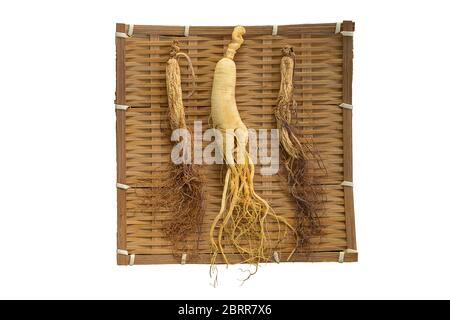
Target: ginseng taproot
183, 192
241, 221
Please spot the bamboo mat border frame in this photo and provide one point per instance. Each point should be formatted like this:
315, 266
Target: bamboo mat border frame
145, 30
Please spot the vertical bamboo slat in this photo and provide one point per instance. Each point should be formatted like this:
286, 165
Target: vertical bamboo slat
348, 144
120, 146
267, 95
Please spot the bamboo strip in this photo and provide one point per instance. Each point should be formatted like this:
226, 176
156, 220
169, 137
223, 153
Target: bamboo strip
121, 153
205, 259
347, 121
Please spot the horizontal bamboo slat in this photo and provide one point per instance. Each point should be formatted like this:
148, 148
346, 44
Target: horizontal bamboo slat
321, 84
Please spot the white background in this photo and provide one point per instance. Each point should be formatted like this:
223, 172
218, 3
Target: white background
57, 152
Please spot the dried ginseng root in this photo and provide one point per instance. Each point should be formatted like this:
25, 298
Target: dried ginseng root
183, 192
241, 222
298, 157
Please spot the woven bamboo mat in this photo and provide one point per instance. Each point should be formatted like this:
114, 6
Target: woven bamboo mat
323, 79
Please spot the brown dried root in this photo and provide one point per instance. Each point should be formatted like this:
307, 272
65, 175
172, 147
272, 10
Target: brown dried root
298, 158
177, 117
182, 193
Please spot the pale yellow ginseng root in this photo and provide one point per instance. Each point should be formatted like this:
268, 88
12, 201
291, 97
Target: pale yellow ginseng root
298, 156
183, 192
241, 222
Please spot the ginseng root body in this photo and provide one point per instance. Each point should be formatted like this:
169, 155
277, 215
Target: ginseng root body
241, 224
183, 191
299, 156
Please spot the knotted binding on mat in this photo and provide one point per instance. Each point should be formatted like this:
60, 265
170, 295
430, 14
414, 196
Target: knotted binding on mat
347, 184
344, 33
347, 33
276, 257
125, 253
121, 107
122, 186
346, 106
128, 34
275, 30
344, 252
